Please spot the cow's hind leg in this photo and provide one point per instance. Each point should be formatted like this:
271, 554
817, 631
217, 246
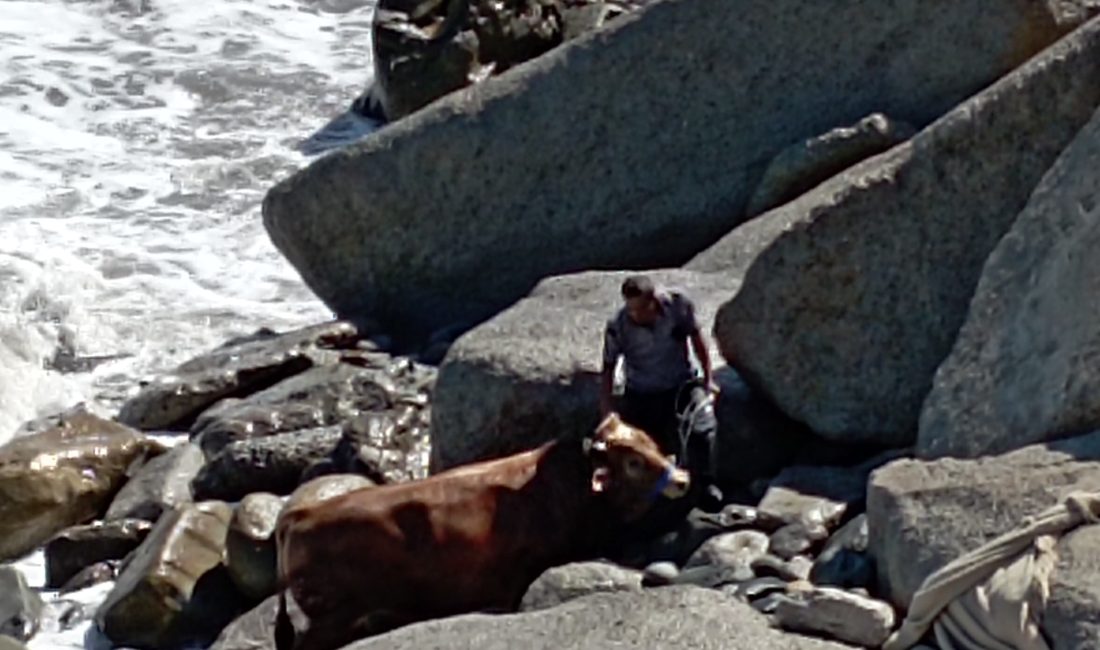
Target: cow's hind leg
285, 636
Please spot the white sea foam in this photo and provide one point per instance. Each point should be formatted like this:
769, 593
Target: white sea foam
137, 138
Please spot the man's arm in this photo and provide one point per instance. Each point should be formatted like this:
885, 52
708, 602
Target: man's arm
698, 343
699, 346
611, 352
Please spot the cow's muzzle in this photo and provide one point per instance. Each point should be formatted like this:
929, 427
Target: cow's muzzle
673, 484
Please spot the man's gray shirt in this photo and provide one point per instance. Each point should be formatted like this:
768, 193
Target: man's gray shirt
656, 356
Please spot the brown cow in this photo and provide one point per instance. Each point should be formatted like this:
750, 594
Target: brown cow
469, 539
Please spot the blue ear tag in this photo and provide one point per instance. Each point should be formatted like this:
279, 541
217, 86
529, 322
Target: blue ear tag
662, 483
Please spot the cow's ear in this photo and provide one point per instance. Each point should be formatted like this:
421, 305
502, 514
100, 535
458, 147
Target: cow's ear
600, 479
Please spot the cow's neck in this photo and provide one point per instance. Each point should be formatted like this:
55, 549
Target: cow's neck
563, 482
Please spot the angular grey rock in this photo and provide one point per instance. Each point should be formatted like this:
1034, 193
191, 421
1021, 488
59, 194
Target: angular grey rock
798, 168
175, 590
254, 630
565, 583
237, 370
792, 506
20, 606
1022, 369
738, 548
161, 484
756, 589
61, 477
851, 296
1075, 597
670, 618
797, 539
77, 548
388, 227
319, 397
269, 464
836, 614
531, 374
845, 562
424, 50
8, 643
921, 515
250, 545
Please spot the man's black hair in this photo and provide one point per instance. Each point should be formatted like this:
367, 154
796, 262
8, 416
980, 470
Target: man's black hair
637, 286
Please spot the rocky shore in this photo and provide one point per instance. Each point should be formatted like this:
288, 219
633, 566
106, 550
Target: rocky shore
891, 239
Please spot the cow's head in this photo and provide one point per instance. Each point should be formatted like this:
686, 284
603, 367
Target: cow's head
629, 469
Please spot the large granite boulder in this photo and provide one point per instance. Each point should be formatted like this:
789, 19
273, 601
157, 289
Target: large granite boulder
322, 396
570, 581
61, 477
671, 618
1024, 366
175, 591
921, 515
234, 370
652, 133
531, 374
850, 297
161, 484
269, 464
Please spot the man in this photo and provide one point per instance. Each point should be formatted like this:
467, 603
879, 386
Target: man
651, 332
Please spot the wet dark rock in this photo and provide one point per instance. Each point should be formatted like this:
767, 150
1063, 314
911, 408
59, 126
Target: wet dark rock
756, 589
80, 547
231, 371
64, 476
68, 613
768, 604
770, 566
161, 484
20, 606
250, 545
319, 397
270, 464
92, 575
175, 591
797, 539
565, 583
845, 562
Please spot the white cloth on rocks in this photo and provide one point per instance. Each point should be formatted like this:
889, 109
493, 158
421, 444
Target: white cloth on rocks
993, 597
